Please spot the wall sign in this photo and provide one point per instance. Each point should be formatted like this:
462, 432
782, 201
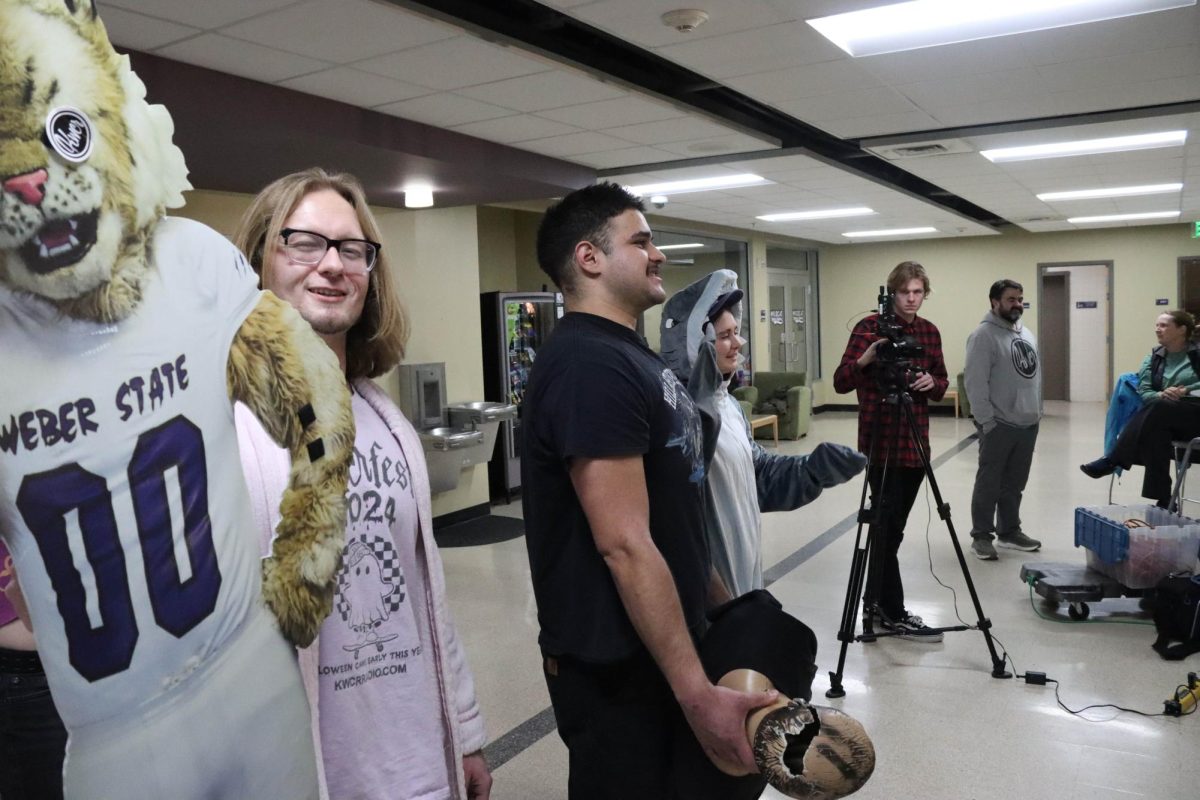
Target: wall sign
1085, 303
1161, 301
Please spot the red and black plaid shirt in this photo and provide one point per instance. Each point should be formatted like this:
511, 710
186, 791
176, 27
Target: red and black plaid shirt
849, 377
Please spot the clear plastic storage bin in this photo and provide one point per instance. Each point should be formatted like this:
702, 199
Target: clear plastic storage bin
1137, 545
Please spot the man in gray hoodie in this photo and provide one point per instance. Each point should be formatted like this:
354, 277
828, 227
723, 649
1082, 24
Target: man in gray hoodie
1004, 386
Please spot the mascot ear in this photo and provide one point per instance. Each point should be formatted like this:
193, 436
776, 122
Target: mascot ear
81, 8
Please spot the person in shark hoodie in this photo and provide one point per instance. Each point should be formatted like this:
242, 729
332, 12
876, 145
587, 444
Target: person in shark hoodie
701, 343
1004, 384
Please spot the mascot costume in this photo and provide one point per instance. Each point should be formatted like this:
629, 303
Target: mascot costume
802, 750
126, 338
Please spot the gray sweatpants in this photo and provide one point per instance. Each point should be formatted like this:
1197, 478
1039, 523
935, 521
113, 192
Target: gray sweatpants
1005, 453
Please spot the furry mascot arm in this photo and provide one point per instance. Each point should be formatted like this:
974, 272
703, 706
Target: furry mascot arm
292, 382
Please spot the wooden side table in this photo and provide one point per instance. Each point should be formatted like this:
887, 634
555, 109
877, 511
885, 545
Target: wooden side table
763, 420
952, 394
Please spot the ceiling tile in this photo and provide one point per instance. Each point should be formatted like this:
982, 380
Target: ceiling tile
612, 159
641, 22
933, 63
784, 46
719, 145
340, 31
672, 130
357, 88
546, 90
139, 32
517, 128
629, 110
954, 90
827, 77
880, 125
445, 109
453, 63
1142, 33
575, 143
1127, 69
841, 105
208, 14
240, 58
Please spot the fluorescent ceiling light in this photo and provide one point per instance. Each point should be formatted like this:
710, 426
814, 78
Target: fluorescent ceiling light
928, 23
418, 195
688, 246
698, 185
1118, 191
825, 213
1124, 217
1086, 147
888, 232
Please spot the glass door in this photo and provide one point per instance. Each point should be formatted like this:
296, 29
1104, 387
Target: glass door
789, 317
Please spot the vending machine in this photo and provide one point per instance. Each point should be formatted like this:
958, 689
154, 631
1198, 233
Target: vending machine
514, 326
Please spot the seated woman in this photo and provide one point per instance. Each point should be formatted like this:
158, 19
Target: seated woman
1166, 382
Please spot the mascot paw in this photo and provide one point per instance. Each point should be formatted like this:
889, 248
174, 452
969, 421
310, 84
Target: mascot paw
299, 604
834, 464
813, 752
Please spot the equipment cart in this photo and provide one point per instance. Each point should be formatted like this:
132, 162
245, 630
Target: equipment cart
1129, 550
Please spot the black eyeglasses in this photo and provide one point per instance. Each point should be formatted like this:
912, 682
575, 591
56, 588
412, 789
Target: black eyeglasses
308, 248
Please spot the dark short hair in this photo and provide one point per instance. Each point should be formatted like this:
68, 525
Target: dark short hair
1003, 285
904, 273
581, 216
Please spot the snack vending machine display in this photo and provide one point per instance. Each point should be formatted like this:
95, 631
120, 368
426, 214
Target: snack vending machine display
514, 325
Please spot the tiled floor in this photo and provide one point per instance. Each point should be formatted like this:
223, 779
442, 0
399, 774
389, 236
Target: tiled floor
943, 728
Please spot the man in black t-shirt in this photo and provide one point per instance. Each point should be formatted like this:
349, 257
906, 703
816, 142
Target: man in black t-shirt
612, 474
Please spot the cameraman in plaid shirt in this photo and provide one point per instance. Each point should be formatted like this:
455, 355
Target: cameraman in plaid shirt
895, 452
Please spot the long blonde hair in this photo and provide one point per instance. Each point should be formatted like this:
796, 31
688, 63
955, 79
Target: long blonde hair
376, 342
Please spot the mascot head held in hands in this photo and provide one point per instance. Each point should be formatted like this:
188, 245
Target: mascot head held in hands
87, 164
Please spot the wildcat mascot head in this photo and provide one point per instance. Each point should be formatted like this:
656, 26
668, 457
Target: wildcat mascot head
78, 207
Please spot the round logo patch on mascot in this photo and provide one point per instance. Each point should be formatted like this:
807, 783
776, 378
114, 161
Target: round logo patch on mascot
1024, 358
69, 132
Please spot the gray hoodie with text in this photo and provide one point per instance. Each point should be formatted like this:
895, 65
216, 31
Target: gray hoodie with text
1003, 375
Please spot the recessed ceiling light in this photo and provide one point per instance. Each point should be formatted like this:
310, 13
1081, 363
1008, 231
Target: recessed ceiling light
1085, 147
418, 195
698, 185
888, 232
928, 23
825, 213
1117, 191
688, 246
1123, 217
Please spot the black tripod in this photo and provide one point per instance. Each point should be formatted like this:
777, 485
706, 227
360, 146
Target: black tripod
865, 549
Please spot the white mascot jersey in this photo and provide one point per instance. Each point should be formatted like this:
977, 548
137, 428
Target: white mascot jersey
121, 498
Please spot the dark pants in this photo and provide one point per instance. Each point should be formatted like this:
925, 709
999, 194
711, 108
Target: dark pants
1005, 453
899, 492
32, 737
1146, 440
619, 722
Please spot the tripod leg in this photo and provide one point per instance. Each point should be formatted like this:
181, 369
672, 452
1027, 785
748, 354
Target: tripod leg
854, 585
943, 509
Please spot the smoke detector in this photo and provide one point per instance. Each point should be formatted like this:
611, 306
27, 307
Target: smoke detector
685, 20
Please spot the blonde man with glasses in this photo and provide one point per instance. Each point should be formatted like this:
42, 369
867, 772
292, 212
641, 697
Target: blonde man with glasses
393, 703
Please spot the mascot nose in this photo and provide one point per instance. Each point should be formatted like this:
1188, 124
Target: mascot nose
30, 187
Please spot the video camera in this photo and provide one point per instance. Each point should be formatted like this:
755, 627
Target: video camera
894, 355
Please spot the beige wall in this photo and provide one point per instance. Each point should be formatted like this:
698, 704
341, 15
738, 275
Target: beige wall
497, 249
961, 270
435, 255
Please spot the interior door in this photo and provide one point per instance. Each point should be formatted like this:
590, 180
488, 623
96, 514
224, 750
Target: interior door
789, 296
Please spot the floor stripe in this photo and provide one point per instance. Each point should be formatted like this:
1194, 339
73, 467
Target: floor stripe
542, 724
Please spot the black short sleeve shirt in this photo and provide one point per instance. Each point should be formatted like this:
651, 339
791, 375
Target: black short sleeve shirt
596, 391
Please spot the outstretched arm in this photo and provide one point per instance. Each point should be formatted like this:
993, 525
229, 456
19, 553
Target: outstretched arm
292, 383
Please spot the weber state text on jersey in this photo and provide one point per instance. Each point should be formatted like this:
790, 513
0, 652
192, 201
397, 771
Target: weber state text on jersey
120, 493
